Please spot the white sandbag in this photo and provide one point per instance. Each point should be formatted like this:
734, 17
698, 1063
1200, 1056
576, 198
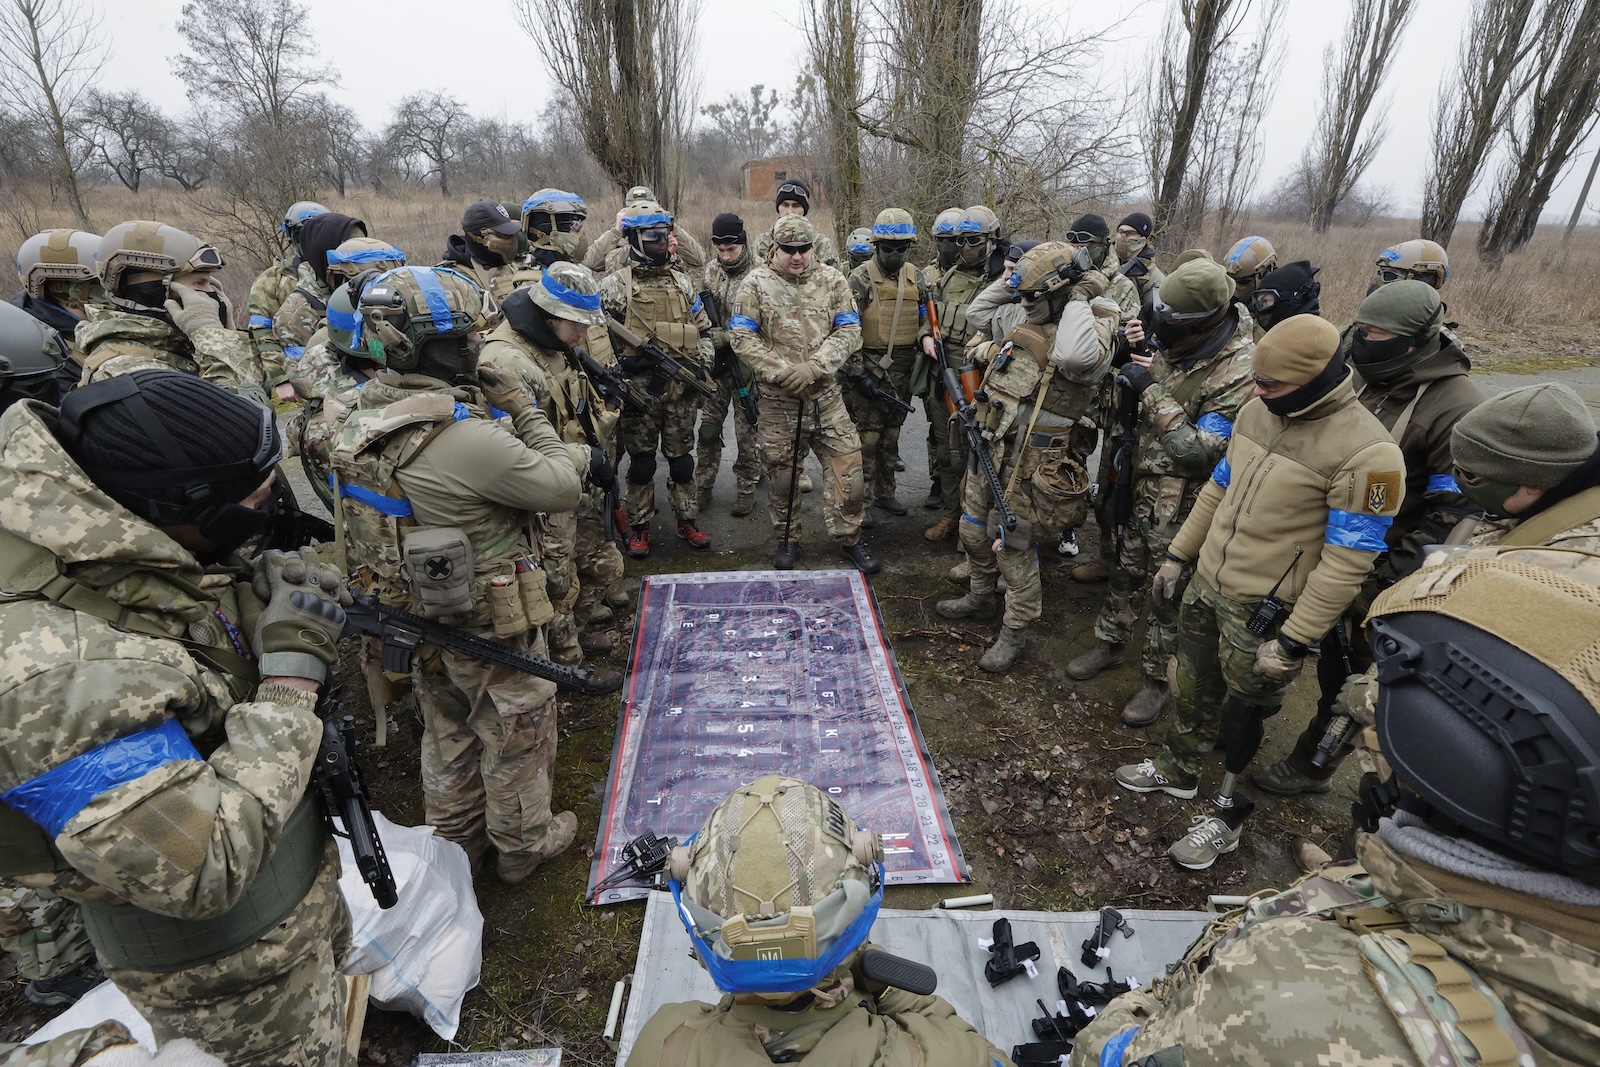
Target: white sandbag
104, 1001
425, 952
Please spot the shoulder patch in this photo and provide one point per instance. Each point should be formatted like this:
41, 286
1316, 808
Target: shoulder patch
1382, 488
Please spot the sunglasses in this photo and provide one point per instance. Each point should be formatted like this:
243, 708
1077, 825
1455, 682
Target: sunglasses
1263, 382
795, 250
898, 246
1468, 478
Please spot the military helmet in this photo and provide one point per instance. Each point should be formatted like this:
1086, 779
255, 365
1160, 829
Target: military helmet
859, 243
638, 194
1489, 709
362, 253
345, 332
893, 224
139, 247
978, 219
945, 223
298, 212
1250, 258
30, 352
1424, 260
648, 229
568, 291
778, 888
406, 309
1046, 267
56, 256
551, 211
644, 215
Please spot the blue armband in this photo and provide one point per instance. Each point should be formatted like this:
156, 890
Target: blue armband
1215, 423
744, 322
1353, 529
846, 318
1112, 1051
54, 797
1223, 474
694, 309
293, 351
1442, 483
258, 321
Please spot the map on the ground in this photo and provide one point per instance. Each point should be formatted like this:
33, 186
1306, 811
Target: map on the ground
744, 673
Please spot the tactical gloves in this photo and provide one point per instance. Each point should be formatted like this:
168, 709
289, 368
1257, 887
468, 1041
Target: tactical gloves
1136, 378
502, 389
601, 471
192, 310
1165, 583
1278, 662
797, 377
296, 633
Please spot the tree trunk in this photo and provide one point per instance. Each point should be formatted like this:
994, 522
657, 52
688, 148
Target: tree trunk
1583, 198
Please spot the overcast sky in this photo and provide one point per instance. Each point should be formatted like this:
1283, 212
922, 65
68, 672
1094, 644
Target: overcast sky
473, 49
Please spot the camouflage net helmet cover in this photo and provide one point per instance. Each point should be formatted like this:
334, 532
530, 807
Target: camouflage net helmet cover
778, 887
794, 230
57, 256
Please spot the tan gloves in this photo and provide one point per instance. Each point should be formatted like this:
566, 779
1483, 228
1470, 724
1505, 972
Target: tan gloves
1277, 664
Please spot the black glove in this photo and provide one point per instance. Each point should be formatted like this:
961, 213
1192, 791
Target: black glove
1136, 378
601, 472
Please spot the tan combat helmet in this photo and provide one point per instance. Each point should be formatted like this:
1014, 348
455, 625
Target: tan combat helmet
647, 227
945, 223
143, 252
1423, 260
360, 254
1247, 261
778, 888
893, 224
638, 194
1046, 267
57, 256
296, 214
555, 214
568, 291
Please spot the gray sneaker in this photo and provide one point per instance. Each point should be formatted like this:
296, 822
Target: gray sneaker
1208, 838
1144, 778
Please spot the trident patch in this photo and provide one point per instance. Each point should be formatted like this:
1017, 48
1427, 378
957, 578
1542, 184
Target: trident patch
1381, 486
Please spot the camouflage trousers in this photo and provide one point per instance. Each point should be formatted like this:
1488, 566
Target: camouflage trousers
278, 1003
1216, 663
45, 932
824, 427
947, 451
669, 426
877, 423
599, 558
1050, 493
488, 750
1158, 513
708, 450
559, 547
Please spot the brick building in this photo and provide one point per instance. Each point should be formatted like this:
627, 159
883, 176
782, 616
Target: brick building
763, 176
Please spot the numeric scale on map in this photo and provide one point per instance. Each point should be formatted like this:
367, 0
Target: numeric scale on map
739, 674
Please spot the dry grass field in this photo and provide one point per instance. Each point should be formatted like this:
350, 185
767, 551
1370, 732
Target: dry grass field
1539, 311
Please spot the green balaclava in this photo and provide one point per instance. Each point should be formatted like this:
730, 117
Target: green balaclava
1409, 309
1538, 435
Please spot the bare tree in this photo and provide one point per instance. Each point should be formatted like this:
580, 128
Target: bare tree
338, 137
1582, 202
628, 67
1561, 102
51, 52
835, 51
1474, 106
190, 157
431, 129
748, 121
1338, 154
128, 133
256, 58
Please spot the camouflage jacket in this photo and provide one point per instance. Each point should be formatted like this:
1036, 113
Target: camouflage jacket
554, 384
301, 314
826, 251
609, 252
778, 319
329, 390
1293, 986
117, 342
186, 835
724, 282
664, 303
267, 294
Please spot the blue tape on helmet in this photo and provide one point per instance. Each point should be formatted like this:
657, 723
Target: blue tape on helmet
54, 797
554, 196
640, 222
570, 297
861, 248
969, 226
1014, 280
1358, 530
347, 321
394, 507
438, 300
893, 229
1389, 255
942, 228
1238, 250
367, 255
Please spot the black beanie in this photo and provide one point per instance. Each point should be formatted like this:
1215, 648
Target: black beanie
210, 426
728, 228
1090, 224
1289, 278
796, 190
1139, 221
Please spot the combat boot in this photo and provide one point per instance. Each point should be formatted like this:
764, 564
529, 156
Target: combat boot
617, 596
805, 482
786, 555
971, 606
1146, 705
1004, 652
892, 505
934, 500
862, 557
942, 530
1309, 856
1089, 573
639, 540
598, 615
744, 503
1281, 779
1103, 656
702, 496
961, 573
691, 532
64, 989
559, 835
597, 642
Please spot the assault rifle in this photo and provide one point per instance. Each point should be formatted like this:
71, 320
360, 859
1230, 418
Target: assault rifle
1122, 449
612, 385
959, 403
401, 632
611, 506
1341, 728
289, 528
727, 358
873, 387
659, 358
344, 792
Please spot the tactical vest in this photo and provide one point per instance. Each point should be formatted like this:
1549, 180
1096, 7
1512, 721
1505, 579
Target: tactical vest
374, 446
1065, 401
955, 290
109, 350
657, 307
881, 326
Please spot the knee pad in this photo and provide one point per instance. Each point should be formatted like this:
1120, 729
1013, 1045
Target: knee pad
709, 433
778, 479
973, 533
851, 480
641, 468
680, 469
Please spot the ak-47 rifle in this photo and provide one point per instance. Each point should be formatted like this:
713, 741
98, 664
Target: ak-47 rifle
1341, 728
727, 359
401, 632
664, 362
1122, 450
959, 403
615, 518
873, 387
344, 793
612, 385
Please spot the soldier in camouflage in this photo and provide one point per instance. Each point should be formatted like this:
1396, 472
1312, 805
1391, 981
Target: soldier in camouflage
59, 282
160, 732
1466, 933
268, 292
609, 250
723, 276
1417, 260
793, 322
164, 311
858, 246
944, 239
486, 249
1247, 262
1137, 257
780, 879
794, 198
552, 221
300, 314
1185, 389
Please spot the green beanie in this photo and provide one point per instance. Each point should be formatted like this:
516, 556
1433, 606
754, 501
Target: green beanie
1404, 308
1196, 286
1536, 435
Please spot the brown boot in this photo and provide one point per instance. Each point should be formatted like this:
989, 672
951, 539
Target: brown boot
1097, 571
1309, 856
597, 642
560, 832
942, 530
1103, 656
1005, 651
1146, 705
744, 503
961, 573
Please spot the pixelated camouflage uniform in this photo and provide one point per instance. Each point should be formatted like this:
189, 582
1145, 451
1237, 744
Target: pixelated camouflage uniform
71, 1049
489, 741
188, 836
1184, 422
824, 251
663, 304
609, 252
1295, 985
327, 389
778, 319
117, 342
724, 282
892, 327
953, 291
267, 294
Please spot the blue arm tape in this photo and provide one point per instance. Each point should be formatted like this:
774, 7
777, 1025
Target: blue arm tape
1353, 529
1223, 474
744, 322
293, 351
1216, 423
1112, 1051
258, 321
394, 507
694, 309
846, 318
1442, 483
54, 797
